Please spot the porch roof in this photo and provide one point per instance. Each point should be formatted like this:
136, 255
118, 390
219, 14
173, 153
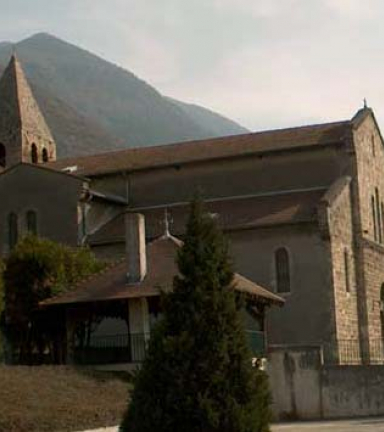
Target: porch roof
161, 253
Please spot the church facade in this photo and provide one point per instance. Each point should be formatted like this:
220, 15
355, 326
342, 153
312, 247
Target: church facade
303, 209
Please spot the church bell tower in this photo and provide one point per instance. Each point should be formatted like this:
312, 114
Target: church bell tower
24, 134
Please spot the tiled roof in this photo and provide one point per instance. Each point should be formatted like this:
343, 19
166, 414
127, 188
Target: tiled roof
161, 254
236, 213
194, 151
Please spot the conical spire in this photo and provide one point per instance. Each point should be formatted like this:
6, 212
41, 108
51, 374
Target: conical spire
24, 134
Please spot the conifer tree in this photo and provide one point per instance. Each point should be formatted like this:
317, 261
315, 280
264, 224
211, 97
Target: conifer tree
198, 376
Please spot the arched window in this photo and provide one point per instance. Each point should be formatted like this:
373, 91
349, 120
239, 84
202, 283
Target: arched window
13, 231
34, 155
3, 156
283, 278
45, 155
32, 222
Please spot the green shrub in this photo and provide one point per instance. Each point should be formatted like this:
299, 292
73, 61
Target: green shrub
35, 270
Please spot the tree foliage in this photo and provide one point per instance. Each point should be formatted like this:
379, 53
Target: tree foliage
35, 270
198, 374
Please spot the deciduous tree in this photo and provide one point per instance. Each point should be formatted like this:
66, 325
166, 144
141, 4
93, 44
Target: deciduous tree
35, 270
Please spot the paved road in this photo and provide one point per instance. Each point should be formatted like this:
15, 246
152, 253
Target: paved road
363, 425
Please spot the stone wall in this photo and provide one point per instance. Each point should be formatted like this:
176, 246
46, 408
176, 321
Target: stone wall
337, 204
369, 156
373, 256
368, 185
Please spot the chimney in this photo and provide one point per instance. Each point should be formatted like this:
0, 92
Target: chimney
135, 246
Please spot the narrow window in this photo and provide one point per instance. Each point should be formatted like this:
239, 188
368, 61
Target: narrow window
373, 210
283, 282
32, 222
373, 145
3, 156
346, 271
382, 310
45, 155
34, 155
378, 215
382, 218
13, 232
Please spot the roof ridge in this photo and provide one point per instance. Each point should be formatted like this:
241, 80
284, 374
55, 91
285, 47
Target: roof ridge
198, 141
15, 62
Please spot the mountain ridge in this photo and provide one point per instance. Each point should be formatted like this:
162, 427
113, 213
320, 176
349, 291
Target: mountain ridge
94, 106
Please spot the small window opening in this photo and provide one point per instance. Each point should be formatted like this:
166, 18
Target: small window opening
282, 268
3, 156
34, 155
346, 271
373, 145
13, 232
373, 211
382, 310
378, 215
32, 222
45, 155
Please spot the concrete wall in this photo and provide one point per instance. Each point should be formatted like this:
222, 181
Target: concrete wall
54, 197
352, 391
304, 388
250, 175
253, 252
295, 382
110, 252
98, 213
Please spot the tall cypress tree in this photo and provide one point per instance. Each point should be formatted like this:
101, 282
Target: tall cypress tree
198, 376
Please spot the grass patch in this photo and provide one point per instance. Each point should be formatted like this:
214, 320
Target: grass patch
58, 399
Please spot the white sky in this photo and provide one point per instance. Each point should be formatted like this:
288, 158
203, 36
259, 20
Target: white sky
264, 63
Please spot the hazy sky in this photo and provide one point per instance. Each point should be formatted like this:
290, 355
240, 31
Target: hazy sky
264, 63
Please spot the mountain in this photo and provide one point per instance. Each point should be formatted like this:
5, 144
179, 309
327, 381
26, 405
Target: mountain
94, 106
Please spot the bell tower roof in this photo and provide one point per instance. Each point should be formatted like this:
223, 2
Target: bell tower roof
22, 124
17, 102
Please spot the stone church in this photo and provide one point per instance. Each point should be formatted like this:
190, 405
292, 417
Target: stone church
303, 209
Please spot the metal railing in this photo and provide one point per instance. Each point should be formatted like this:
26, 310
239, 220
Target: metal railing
376, 351
257, 343
131, 348
120, 348
353, 352
342, 351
